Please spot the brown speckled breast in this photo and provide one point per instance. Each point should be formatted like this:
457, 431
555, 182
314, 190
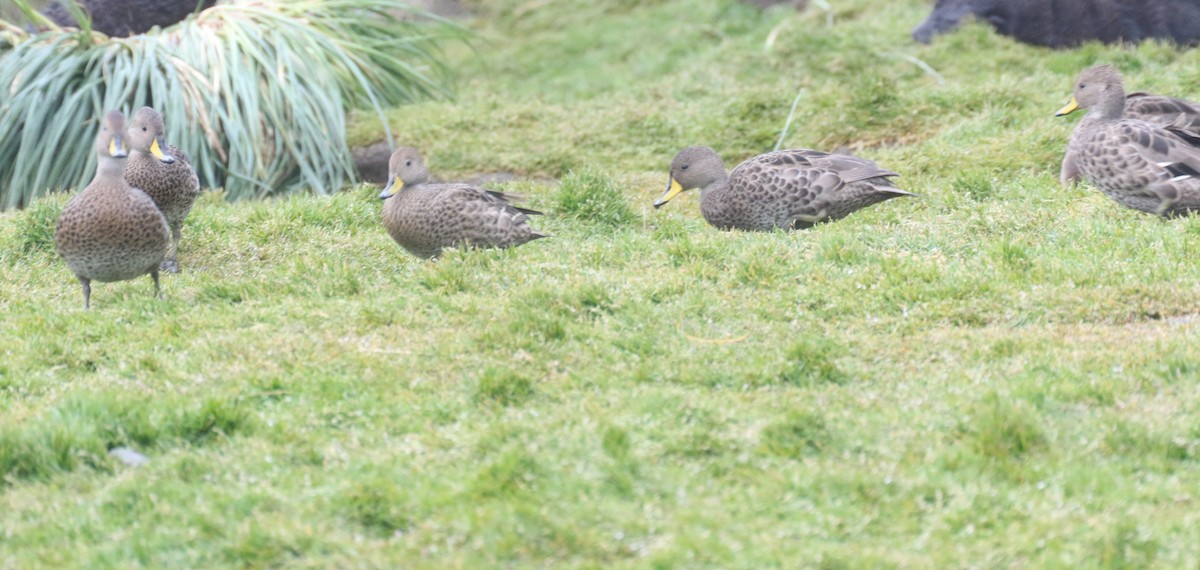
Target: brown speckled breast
111, 234
173, 187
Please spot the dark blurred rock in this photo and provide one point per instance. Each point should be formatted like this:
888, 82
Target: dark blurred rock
122, 18
371, 162
1068, 23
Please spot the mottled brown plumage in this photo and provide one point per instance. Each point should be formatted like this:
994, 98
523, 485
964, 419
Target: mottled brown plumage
162, 171
1139, 164
787, 189
111, 231
1158, 109
427, 218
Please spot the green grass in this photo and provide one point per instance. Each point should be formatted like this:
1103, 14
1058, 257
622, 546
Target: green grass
1002, 373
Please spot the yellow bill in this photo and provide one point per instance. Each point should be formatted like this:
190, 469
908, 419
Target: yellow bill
116, 148
1070, 107
158, 153
393, 185
673, 190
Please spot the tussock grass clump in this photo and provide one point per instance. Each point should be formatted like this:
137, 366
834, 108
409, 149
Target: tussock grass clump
35, 226
589, 195
256, 92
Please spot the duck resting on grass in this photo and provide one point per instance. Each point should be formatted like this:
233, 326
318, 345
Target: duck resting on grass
786, 189
1139, 164
427, 218
111, 231
1158, 109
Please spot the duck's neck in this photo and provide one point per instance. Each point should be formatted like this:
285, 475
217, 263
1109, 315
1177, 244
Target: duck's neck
1111, 107
714, 189
712, 198
110, 168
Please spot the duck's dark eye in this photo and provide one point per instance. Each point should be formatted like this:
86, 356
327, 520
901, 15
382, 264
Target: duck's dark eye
684, 167
408, 163
143, 129
1082, 85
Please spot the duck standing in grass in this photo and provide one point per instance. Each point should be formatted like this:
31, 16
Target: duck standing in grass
164, 172
427, 218
1139, 164
1158, 109
111, 231
786, 189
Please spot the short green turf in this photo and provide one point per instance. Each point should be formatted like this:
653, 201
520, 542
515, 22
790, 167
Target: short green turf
1001, 373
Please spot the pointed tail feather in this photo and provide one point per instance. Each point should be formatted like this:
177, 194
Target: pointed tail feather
896, 191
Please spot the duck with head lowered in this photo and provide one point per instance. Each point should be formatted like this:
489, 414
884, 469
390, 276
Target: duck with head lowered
786, 189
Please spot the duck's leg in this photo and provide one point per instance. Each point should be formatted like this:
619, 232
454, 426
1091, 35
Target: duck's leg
157, 290
170, 264
87, 291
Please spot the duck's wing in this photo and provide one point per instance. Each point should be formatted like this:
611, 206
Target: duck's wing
1145, 159
795, 170
799, 187
183, 169
512, 200
1178, 115
483, 217
1155, 145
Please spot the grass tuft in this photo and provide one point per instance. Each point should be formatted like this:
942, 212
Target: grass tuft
504, 387
1002, 429
812, 361
976, 184
35, 226
513, 473
800, 433
588, 195
380, 504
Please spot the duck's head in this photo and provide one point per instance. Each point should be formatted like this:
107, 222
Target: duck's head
110, 141
1098, 87
406, 168
146, 134
693, 167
